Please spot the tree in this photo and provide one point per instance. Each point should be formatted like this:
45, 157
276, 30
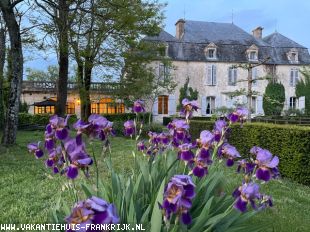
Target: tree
16, 54
303, 89
102, 31
249, 93
187, 92
58, 12
2, 62
274, 98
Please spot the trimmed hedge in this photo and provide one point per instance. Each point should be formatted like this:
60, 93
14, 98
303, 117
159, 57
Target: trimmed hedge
290, 143
166, 120
26, 119
127, 116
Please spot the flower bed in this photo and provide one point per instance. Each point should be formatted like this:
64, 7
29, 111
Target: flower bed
177, 181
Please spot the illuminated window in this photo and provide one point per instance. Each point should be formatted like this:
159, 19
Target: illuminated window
107, 106
44, 110
163, 104
70, 108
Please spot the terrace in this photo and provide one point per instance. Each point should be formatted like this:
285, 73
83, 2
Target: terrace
49, 86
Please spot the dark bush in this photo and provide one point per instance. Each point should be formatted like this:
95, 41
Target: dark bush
26, 119
290, 143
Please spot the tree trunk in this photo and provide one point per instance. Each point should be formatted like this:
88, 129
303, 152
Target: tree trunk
249, 94
2, 62
10, 128
87, 82
62, 83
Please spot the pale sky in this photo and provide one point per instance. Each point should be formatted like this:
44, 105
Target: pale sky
289, 17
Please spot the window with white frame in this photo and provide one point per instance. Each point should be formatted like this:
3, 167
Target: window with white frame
254, 105
252, 53
211, 75
254, 77
294, 78
210, 105
232, 76
210, 51
163, 71
293, 101
292, 56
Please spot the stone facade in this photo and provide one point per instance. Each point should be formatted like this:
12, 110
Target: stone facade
205, 52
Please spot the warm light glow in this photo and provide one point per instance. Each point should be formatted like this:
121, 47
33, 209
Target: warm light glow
78, 101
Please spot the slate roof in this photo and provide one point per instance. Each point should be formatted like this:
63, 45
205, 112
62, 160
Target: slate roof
231, 41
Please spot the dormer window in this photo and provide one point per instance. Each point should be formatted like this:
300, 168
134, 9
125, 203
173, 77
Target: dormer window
252, 53
292, 56
210, 51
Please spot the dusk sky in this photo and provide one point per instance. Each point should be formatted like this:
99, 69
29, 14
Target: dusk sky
290, 18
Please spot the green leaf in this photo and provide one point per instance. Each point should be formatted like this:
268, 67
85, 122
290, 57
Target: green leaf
87, 191
202, 218
156, 219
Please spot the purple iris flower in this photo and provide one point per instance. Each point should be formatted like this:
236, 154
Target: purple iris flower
35, 149
178, 196
59, 125
219, 129
240, 114
185, 152
230, 153
164, 138
247, 193
138, 106
92, 211
141, 146
96, 127
200, 164
267, 165
179, 129
129, 127
206, 139
154, 138
188, 108
55, 159
245, 166
78, 158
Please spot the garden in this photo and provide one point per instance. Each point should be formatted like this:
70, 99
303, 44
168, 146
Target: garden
163, 181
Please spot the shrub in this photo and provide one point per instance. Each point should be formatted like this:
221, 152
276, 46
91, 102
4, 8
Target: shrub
127, 116
38, 119
274, 98
290, 143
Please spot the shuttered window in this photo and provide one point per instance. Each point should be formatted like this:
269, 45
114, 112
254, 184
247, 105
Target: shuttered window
163, 104
210, 105
294, 77
211, 75
232, 76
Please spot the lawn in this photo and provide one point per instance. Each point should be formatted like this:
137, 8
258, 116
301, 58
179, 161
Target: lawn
28, 190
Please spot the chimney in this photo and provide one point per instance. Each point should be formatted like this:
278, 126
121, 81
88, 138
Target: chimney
258, 32
179, 28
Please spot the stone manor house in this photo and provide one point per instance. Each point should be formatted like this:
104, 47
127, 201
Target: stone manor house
205, 53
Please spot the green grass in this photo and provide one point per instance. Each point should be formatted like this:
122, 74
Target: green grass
28, 190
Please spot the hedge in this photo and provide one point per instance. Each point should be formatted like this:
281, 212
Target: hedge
290, 143
39, 121
166, 120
